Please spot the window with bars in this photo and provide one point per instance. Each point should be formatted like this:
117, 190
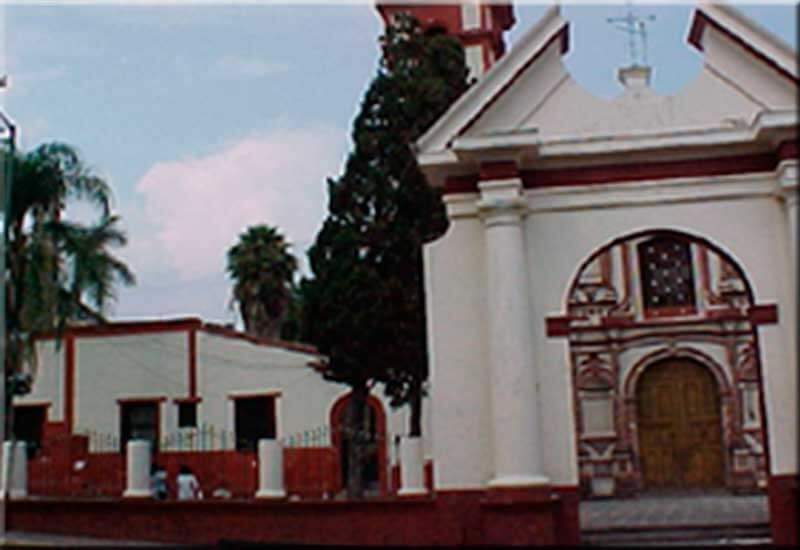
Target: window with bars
665, 265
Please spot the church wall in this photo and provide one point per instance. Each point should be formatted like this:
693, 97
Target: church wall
780, 393
456, 302
758, 79
506, 110
758, 250
564, 227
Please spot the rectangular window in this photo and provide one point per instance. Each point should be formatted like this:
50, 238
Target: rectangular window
667, 277
28, 426
187, 415
254, 419
139, 421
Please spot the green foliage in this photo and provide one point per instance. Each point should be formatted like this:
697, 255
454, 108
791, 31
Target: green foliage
262, 269
364, 307
57, 270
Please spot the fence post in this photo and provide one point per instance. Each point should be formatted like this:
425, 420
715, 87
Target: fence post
14, 475
6, 475
138, 480
19, 475
270, 469
412, 478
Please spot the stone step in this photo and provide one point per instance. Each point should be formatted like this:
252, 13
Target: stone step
679, 535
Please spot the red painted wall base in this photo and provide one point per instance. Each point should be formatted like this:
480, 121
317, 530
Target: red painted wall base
447, 518
783, 509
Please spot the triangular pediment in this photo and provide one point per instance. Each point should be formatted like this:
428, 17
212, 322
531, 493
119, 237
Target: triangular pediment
530, 97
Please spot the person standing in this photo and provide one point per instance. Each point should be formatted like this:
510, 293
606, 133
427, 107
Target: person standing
188, 486
158, 482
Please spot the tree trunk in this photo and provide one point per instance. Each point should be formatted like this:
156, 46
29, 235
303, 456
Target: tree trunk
354, 432
415, 401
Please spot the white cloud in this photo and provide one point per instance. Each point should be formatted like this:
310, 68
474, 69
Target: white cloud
195, 208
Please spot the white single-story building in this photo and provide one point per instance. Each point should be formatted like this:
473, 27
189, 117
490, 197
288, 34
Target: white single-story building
195, 390
613, 308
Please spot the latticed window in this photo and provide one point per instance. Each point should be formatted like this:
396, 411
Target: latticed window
665, 265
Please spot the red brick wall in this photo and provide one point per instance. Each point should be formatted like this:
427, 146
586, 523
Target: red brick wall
448, 518
64, 467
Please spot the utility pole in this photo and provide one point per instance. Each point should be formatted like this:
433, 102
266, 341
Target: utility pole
9, 133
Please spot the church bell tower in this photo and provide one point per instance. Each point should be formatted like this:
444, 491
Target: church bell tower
478, 24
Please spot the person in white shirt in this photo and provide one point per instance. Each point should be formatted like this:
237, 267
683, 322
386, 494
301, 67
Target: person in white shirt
188, 486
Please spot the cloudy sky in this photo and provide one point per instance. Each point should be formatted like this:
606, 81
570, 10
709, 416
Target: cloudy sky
207, 119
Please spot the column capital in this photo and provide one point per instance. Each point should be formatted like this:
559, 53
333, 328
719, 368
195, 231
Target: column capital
460, 206
786, 177
502, 202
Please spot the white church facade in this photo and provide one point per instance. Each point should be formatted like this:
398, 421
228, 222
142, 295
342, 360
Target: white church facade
613, 308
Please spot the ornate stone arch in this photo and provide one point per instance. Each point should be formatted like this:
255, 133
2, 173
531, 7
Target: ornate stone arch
682, 234
669, 352
605, 314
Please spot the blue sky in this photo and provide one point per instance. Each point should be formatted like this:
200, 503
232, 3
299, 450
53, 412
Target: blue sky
207, 119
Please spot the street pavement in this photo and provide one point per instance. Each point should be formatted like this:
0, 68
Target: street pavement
716, 509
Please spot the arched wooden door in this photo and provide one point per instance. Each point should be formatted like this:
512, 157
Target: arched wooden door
680, 438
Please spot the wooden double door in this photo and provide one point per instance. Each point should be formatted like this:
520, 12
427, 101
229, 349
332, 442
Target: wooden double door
679, 425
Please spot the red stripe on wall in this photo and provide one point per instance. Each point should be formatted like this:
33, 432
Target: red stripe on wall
615, 173
192, 335
622, 173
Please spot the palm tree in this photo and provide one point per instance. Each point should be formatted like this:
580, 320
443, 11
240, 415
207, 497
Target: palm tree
262, 270
58, 271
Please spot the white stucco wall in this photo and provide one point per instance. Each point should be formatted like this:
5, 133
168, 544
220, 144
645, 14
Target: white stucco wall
229, 366
758, 247
48, 387
564, 227
109, 368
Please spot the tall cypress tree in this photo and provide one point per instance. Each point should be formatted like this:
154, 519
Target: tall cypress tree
364, 307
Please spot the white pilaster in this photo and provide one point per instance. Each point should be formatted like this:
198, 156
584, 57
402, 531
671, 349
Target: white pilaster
14, 475
787, 180
19, 476
6, 475
514, 392
779, 343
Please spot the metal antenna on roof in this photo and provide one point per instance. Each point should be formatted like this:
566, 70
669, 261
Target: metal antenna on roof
634, 27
